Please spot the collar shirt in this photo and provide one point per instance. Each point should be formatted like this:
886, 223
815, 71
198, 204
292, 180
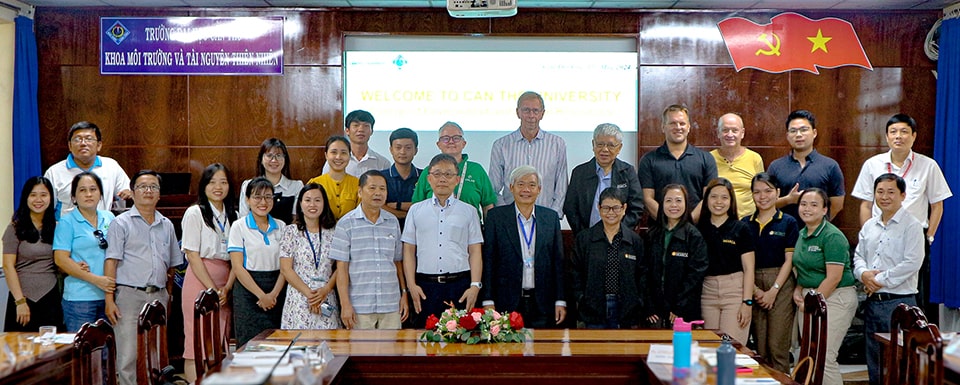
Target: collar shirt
474, 188
604, 182
726, 245
145, 250
527, 230
286, 188
925, 182
261, 250
61, 176
398, 188
210, 243
372, 249
818, 171
694, 169
740, 173
895, 248
442, 235
75, 235
546, 152
372, 161
826, 246
774, 239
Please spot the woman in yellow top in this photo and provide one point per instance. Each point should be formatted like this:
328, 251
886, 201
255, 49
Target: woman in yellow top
342, 188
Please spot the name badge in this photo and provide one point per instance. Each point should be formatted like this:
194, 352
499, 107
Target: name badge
814, 249
680, 254
630, 257
730, 241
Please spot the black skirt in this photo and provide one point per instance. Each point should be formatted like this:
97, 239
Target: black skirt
46, 311
248, 318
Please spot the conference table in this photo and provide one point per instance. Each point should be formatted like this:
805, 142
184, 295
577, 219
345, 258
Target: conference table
568, 356
44, 365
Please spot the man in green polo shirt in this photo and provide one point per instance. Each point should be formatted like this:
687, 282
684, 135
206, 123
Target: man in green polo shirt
474, 188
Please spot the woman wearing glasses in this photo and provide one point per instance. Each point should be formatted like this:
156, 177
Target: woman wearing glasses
206, 226
341, 188
254, 247
608, 269
28, 260
677, 257
79, 246
273, 163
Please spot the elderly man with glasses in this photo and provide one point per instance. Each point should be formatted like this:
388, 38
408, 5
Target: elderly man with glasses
474, 187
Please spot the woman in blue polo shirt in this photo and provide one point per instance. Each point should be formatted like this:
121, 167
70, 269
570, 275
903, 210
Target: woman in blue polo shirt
254, 247
775, 235
822, 262
79, 249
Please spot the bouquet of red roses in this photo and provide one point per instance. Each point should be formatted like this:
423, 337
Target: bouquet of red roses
476, 325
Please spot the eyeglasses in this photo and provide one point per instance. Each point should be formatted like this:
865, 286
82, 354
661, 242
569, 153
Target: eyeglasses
451, 139
443, 175
802, 130
535, 111
610, 209
261, 198
147, 187
101, 239
611, 146
273, 156
524, 185
84, 139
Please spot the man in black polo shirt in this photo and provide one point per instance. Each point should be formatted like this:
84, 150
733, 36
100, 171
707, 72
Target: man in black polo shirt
676, 161
804, 167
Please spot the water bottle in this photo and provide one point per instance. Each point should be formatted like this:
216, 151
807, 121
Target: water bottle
682, 340
726, 363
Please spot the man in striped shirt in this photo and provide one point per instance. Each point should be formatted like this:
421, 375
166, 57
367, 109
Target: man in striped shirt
367, 248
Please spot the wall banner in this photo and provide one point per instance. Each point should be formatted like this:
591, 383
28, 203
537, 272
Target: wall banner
191, 46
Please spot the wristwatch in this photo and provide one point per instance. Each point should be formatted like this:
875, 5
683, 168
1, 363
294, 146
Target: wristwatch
929, 239
748, 302
776, 285
478, 285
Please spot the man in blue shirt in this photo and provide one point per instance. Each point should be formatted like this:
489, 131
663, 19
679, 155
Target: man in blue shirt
402, 176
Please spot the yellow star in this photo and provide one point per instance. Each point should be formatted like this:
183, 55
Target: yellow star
819, 42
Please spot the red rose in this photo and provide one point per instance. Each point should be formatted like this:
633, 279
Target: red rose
516, 321
467, 322
477, 310
432, 322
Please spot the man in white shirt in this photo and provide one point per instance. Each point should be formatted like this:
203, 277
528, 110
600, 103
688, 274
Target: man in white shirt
442, 246
85, 141
925, 188
887, 260
358, 126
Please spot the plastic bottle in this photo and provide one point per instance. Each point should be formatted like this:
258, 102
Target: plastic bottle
726, 363
682, 340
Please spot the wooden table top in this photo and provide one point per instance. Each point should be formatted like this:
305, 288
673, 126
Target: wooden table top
41, 360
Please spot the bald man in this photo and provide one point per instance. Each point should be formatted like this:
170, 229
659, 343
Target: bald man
735, 162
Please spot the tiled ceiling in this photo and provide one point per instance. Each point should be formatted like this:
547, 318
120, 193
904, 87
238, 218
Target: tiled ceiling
595, 4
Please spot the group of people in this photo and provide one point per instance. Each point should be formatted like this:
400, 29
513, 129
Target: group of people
372, 243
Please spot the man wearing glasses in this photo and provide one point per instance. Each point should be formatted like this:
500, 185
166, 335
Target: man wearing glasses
604, 170
530, 145
84, 141
474, 186
804, 167
141, 254
442, 246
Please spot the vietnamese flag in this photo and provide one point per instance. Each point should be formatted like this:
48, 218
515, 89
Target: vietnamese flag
792, 42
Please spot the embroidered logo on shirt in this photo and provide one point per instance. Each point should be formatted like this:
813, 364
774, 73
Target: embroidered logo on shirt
622, 185
730, 241
630, 257
814, 249
777, 233
679, 254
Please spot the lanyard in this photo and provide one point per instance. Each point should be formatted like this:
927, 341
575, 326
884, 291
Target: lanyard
462, 173
905, 171
527, 239
220, 224
316, 261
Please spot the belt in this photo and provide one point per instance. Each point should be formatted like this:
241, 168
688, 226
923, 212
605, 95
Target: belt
443, 278
888, 296
527, 293
148, 289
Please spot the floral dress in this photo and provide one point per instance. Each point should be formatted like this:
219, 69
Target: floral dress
315, 268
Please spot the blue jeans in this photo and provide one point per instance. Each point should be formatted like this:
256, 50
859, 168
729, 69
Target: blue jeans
876, 319
612, 321
77, 313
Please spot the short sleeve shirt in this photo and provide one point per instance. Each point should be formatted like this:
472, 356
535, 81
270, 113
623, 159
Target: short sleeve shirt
210, 243
261, 250
356, 167
925, 182
442, 235
145, 250
725, 245
398, 188
474, 188
693, 170
61, 175
35, 266
819, 171
372, 249
740, 173
342, 195
773, 240
826, 246
287, 188
75, 235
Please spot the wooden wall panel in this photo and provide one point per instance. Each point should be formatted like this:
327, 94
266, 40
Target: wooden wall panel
567, 23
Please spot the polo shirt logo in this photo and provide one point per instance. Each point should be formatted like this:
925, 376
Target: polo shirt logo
679, 254
778, 233
814, 249
730, 241
630, 257
622, 185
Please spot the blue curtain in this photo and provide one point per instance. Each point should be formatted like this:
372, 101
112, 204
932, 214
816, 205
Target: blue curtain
26, 119
944, 261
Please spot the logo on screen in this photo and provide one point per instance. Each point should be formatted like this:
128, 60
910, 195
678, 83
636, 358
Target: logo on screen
117, 32
400, 61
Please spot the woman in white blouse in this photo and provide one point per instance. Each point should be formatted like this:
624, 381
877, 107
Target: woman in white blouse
206, 226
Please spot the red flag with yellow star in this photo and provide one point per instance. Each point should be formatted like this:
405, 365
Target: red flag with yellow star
792, 42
